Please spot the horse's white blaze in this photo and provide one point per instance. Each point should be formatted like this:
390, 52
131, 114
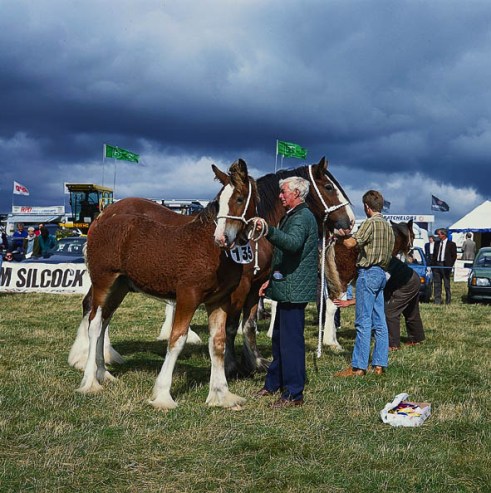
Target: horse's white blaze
89, 381
161, 397
329, 338
349, 211
226, 231
170, 310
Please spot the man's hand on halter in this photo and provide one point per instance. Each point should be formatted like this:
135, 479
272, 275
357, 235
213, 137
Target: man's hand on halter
349, 242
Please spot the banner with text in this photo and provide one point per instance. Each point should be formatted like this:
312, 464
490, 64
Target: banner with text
44, 278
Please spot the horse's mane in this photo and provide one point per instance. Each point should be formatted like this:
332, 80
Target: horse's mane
268, 186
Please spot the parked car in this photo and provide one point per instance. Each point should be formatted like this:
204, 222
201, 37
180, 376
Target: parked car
479, 282
417, 262
67, 250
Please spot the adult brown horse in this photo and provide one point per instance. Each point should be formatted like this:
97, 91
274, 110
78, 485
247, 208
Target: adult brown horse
190, 266
341, 270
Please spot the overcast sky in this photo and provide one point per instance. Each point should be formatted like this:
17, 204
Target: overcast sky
396, 94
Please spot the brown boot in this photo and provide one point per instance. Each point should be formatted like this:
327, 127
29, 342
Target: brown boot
378, 370
350, 372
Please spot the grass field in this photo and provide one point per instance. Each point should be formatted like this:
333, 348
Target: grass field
54, 440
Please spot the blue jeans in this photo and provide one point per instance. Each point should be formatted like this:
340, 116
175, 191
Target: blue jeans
370, 315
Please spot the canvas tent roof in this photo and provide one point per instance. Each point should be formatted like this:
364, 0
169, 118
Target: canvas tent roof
478, 220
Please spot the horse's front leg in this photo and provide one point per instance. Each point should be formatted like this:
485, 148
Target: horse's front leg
329, 338
219, 395
161, 397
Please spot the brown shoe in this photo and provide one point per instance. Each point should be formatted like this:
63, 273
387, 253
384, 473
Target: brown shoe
263, 393
282, 402
378, 370
350, 372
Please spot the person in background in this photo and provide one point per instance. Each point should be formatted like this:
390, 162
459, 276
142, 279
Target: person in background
429, 249
31, 244
46, 242
293, 284
38, 231
8, 257
444, 258
375, 240
4, 241
18, 238
468, 248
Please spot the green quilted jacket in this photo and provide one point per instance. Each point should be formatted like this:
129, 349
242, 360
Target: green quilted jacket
294, 265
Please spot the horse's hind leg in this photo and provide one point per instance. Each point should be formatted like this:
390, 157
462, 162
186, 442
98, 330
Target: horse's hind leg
80, 347
219, 395
95, 370
251, 357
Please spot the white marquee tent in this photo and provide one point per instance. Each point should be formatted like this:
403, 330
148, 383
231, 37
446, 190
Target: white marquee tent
476, 221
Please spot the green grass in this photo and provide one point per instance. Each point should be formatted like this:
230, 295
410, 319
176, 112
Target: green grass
53, 439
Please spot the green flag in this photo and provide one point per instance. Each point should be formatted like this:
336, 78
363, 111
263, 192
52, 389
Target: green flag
118, 153
288, 149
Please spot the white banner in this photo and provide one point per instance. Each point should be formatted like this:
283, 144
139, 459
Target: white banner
19, 277
460, 273
55, 210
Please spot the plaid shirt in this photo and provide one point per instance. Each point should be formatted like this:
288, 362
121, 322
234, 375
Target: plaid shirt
375, 239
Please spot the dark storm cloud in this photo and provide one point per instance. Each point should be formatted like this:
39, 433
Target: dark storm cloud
395, 94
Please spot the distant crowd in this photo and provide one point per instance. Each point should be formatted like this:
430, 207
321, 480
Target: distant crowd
27, 243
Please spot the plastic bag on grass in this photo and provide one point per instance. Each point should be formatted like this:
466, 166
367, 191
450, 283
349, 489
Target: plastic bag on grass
401, 412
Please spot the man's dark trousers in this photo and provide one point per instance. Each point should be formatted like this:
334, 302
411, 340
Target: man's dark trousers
287, 371
440, 275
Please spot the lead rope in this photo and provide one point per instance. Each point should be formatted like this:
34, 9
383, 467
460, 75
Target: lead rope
321, 307
255, 235
327, 211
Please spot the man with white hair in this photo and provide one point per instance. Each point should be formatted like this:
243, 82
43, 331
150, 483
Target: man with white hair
293, 283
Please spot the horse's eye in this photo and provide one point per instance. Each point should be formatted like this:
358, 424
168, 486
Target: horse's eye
240, 200
329, 187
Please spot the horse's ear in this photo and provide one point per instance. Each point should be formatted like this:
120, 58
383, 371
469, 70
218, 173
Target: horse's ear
220, 175
321, 167
410, 224
238, 172
392, 222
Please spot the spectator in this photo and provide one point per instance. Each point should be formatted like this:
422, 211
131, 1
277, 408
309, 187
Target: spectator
429, 249
18, 238
375, 240
31, 244
38, 231
468, 248
4, 242
8, 257
444, 257
46, 242
293, 284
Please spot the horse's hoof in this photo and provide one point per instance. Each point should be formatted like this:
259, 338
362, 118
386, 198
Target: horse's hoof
93, 388
109, 378
163, 404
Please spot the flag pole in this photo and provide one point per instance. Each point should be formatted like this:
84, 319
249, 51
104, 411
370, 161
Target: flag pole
114, 181
103, 161
276, 159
